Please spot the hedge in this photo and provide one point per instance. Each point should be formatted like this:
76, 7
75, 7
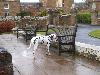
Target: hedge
84, 18
23, 13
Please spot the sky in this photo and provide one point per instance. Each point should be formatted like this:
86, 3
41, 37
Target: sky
38, 0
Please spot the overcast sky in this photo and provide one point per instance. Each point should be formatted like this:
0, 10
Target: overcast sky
38, 0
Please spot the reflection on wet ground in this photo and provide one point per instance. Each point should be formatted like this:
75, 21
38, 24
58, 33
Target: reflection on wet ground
25, 64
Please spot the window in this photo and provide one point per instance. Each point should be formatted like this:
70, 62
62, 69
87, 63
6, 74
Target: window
6, 6
6, 14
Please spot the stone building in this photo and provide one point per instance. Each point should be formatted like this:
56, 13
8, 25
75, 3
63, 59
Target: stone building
96, 2
64, 4
9, 7
94, 6
49, 3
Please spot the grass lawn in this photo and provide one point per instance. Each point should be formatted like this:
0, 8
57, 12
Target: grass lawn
95, 34
5, 33
49, 31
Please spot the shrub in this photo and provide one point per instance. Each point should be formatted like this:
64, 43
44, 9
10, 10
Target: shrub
43, 13
6, 26
84, 18
23, 13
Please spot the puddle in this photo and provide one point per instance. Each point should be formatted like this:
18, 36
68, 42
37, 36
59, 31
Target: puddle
28, 54
62, 61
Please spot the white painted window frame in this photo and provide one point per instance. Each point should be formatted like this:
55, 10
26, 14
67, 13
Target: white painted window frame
7, 6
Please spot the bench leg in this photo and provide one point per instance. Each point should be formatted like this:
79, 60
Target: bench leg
17, 33
59, 50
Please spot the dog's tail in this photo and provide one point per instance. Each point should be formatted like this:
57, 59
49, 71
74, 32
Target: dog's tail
30, 46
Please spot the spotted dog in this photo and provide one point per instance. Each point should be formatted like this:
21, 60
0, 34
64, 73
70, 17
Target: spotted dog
45, 40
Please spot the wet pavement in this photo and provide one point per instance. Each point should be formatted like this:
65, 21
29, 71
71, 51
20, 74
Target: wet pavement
25, 64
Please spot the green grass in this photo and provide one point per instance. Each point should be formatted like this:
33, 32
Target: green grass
95, 34
42, 33
5, 33
49, 31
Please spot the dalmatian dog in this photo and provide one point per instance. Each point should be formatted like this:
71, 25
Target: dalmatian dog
41, 39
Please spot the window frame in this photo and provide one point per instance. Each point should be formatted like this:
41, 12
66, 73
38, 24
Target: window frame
6, 6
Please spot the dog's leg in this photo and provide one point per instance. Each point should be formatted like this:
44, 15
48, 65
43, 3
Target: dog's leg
35, 47
48, 45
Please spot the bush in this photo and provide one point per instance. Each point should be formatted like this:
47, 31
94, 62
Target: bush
6, 26
84, 18
43, 13
23, 13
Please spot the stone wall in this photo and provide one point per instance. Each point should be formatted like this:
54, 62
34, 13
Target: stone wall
1, 9
98, 5
49, 3
98, 21
87, 50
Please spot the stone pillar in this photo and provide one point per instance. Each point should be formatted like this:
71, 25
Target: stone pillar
94, 14
73, 15
53, 14
94, 18
73, 19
